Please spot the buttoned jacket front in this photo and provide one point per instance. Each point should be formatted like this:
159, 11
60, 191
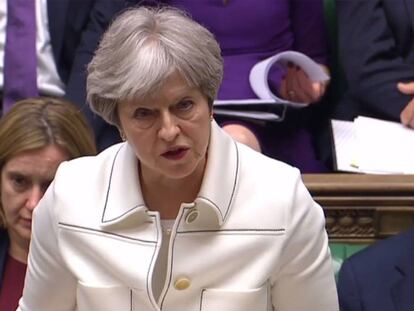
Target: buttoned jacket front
253, 239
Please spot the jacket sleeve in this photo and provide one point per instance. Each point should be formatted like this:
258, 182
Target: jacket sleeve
49, 285
349, 300
370, 58
305, 280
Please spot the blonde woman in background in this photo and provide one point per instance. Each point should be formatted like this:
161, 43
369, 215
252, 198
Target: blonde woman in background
36, 135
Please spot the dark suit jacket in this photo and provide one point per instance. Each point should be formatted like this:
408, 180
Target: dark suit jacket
379, 278
68, 21
376, 44
4, 248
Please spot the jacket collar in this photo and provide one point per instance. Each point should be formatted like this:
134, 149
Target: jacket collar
124, 201
402, 290
123, 197
221, 174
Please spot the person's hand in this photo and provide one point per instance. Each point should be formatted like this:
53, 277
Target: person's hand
407, 115
297, 87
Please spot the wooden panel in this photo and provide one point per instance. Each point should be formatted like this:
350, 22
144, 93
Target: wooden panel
363, 207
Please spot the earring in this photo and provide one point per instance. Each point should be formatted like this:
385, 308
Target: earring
211, 117
122, 134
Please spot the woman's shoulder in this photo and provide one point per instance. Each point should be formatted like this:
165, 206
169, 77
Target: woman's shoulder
87, 171
256, 163
90, 163
266, 175
81, 184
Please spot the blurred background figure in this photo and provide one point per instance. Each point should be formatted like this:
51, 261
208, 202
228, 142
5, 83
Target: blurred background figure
36, 135
380, 277
377, 52
39, 42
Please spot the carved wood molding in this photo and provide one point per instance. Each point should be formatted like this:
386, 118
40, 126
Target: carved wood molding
363, 207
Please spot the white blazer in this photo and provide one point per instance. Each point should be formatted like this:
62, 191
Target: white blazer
253, 239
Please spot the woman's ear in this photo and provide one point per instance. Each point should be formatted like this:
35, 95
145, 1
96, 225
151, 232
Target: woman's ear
122, 133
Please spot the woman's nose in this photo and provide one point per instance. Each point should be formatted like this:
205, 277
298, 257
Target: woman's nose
169, 128
36, 193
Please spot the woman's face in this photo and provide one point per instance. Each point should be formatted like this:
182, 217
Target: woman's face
169, 131
24, 180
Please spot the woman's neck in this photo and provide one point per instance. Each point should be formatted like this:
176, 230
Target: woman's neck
167, 195
19, 250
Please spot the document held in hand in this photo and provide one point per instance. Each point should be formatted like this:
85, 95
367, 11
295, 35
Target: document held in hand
374, 146
261, 108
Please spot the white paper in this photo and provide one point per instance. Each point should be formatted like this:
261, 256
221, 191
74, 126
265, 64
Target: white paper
259, 83
344, 145
252, 101
255, 115
384, 146
374, 146
259, 74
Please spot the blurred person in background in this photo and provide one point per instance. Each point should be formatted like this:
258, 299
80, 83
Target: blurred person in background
36, 135
377, 53
380, 277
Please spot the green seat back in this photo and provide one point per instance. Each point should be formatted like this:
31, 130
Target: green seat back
341, 251
338, 83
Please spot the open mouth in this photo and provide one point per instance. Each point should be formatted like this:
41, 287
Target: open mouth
26, 222
175, 153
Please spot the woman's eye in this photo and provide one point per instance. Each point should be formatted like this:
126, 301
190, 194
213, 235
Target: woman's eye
143, 113
19, 182
185, 105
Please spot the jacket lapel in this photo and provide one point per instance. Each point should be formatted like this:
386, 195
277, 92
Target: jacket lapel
402, 291
56, 13
123, 192
221, 173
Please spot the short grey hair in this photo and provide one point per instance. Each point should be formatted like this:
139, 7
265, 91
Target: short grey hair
141, 48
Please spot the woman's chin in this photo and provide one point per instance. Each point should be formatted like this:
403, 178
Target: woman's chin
180, 171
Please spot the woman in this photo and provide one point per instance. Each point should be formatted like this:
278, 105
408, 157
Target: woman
179, 217
36, 135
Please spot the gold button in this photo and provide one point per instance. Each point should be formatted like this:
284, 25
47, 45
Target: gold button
182, 283
191, 216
